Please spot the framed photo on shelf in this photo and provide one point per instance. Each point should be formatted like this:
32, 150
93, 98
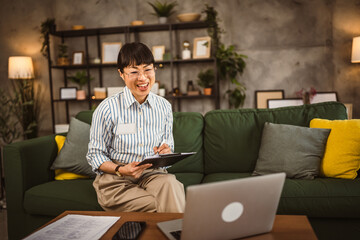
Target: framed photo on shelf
286, 102
155, 87
202, 46
324, 97
68, 93
78, 58
158, 52
261, 97
110, 51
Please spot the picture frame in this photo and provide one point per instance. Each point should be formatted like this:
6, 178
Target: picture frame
68, 93
324, 97
286, 102
78, 58
202, 47
110, 52
155, 87
261, 97
158, 52
114, 90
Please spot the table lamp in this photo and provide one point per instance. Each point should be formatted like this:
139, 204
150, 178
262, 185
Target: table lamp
21, 67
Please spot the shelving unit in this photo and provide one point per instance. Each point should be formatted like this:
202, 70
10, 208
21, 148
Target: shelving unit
171, 28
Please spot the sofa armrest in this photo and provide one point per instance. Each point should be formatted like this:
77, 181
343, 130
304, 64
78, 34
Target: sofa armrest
26, 164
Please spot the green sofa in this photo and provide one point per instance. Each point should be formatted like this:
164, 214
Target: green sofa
227, 144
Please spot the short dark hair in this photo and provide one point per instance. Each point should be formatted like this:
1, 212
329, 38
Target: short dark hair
134, 53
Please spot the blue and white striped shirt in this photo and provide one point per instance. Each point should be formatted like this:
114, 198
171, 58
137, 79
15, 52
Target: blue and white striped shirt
123, 130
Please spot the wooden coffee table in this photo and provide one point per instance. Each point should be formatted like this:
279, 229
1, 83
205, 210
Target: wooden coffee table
285, 226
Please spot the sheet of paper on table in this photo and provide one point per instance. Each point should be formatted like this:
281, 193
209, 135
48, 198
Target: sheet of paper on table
73, 226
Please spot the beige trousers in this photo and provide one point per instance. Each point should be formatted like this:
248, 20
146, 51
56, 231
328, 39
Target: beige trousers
155, 191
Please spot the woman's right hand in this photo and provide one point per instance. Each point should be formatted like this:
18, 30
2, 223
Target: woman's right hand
133, 170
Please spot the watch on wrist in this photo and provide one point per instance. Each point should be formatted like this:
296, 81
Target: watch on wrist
117, 170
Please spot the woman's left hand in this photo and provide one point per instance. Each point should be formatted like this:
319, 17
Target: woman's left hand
163, 149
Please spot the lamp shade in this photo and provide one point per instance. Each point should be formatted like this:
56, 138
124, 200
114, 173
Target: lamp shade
21, 68
355, 53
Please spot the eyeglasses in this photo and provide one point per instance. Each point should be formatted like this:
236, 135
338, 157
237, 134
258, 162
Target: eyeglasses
148, 73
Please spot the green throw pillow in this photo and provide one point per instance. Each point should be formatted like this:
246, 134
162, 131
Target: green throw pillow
72, 157
295, 150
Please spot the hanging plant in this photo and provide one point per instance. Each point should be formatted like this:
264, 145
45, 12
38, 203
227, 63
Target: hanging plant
230, 64
45, 29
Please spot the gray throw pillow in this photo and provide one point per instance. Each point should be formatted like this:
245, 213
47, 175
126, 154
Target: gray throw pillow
295, 150
72, 156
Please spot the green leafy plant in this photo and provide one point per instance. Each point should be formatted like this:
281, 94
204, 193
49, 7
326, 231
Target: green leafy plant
206, 79
80, 79
63, 48
230, 64
163, 9
9, 130
27, 105
45, 29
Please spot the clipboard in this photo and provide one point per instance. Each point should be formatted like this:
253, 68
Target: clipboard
164, 160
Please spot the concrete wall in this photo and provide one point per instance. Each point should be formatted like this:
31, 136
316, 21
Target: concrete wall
290, 44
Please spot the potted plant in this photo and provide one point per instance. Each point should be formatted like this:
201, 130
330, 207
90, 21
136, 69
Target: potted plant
163, 10
230, 64
80, 79
63, 55
206, 81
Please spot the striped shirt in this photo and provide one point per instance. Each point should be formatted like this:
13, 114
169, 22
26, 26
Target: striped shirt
125, 131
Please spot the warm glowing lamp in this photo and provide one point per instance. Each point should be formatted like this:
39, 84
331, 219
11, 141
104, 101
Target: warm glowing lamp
21, 67
355, 53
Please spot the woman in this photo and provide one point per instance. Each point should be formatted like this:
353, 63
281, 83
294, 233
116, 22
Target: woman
127, 127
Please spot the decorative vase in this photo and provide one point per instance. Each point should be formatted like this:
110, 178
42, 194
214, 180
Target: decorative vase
163, 20
306, 98
80, 95
207, 91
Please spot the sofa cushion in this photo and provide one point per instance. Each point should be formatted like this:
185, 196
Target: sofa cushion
55, 197
189, 179
72, 156
216, 177
295, 150
342, 154
61, 174
232, 137
187, 131
320, 197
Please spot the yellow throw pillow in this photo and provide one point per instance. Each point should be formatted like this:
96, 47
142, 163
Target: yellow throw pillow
61, 174
342, 152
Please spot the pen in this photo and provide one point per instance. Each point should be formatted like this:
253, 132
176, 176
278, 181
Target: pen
157, 151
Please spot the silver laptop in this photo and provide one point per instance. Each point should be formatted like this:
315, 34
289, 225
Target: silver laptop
228, 209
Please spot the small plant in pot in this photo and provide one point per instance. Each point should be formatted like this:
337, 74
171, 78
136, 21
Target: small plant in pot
206, 80
80, 79
63, 55
163, 10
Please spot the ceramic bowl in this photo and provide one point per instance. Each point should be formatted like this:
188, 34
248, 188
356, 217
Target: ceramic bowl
188, 17
137, 23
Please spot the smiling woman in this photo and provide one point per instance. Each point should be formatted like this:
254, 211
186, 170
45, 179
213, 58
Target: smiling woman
126, 128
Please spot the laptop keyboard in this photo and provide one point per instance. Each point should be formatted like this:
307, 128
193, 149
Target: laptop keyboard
176, 234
